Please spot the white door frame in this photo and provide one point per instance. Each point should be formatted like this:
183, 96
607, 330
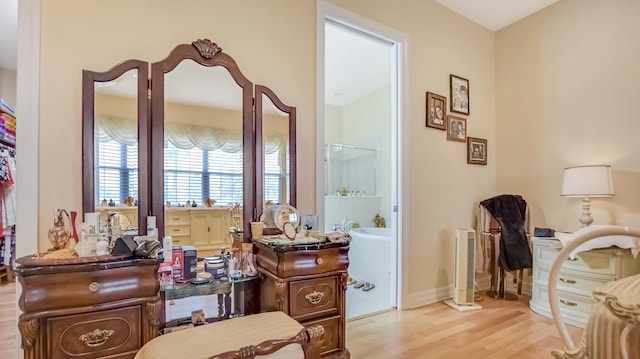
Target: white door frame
399, 142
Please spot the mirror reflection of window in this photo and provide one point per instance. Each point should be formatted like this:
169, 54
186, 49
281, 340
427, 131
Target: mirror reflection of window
117, 176
116, 139
116, 151
196, 174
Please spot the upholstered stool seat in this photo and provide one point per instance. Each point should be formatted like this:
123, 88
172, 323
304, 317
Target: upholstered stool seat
264, 335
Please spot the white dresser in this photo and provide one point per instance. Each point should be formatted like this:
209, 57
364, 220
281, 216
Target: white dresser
578, 277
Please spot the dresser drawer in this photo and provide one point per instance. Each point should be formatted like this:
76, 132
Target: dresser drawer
573, 307
287, 264
332, 335
176, 217
313, 298
180, 240
570, 282
177, 230
65, 289
593, 262
94, 335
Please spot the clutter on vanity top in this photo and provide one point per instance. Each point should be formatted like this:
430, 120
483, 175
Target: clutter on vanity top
184, 266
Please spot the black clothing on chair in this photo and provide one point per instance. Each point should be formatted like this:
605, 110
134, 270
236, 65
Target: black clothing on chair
510, 212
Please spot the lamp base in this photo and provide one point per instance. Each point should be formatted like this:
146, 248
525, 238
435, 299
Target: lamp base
585, 218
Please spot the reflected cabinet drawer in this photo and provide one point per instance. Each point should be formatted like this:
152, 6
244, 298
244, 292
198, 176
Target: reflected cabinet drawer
105, 333
312, 298
176, 217
177, 230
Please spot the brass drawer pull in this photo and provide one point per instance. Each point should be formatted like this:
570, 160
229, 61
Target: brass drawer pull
571, 304
314, 297
175, 218
94, 287
568, 281
319, 260
96, 338
176, 229
572, 259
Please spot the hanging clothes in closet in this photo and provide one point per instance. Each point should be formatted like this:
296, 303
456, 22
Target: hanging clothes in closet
8, 205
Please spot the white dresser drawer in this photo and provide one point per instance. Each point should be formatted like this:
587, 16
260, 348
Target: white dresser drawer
176, 217
571, 282
575, 309
593, 262
177, 230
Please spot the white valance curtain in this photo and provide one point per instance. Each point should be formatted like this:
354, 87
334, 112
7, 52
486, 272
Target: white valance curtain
183, 136
109, 128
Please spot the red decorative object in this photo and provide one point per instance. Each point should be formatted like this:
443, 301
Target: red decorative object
74, 234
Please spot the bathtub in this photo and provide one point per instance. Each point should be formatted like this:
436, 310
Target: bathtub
370, 260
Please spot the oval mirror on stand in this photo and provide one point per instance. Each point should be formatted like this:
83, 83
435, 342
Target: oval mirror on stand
115, 168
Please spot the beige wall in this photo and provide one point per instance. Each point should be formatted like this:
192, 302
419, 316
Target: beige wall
273, 42
8, 87
148, 30
567, 94
444, 190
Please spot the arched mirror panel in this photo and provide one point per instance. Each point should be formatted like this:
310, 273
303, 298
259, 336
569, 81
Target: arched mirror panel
115, 170
202, 140
275, 151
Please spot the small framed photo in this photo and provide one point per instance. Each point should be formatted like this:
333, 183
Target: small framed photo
459, 88
436, 111
456, 128
476, 151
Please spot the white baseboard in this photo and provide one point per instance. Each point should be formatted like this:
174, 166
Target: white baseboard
483, 282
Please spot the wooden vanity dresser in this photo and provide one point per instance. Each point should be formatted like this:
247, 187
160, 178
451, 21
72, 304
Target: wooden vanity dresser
309, 283
73, 308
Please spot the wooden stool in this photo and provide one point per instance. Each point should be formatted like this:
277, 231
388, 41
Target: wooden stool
6, 271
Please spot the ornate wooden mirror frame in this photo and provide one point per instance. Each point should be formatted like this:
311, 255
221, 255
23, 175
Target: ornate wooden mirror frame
151, 131
89, 80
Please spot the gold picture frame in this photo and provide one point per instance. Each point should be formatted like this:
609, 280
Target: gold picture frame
459, 94
476, 151
456, 128
436, 111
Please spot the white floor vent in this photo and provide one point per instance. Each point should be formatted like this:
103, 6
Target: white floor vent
463, 291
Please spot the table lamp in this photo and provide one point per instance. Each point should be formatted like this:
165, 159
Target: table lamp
585, 182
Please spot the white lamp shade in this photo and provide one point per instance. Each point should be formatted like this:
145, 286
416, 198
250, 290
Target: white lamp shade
591, 181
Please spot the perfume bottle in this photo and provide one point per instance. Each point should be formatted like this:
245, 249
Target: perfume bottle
87, 247
59, 234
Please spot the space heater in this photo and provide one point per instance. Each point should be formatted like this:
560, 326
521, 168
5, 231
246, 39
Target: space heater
463, 291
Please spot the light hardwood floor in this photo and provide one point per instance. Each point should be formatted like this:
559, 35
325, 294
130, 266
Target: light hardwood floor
8, 323
502, 329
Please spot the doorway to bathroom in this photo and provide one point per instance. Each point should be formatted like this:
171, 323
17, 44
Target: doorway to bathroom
358, 179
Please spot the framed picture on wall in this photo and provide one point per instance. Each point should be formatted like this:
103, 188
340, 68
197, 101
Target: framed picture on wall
476, 151
436, 111
456, 128
459, 94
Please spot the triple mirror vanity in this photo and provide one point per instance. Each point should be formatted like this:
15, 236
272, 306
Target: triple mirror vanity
194, 143
182, 139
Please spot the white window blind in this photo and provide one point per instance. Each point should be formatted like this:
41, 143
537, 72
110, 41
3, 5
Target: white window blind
190, 175
196, 174
117, 171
